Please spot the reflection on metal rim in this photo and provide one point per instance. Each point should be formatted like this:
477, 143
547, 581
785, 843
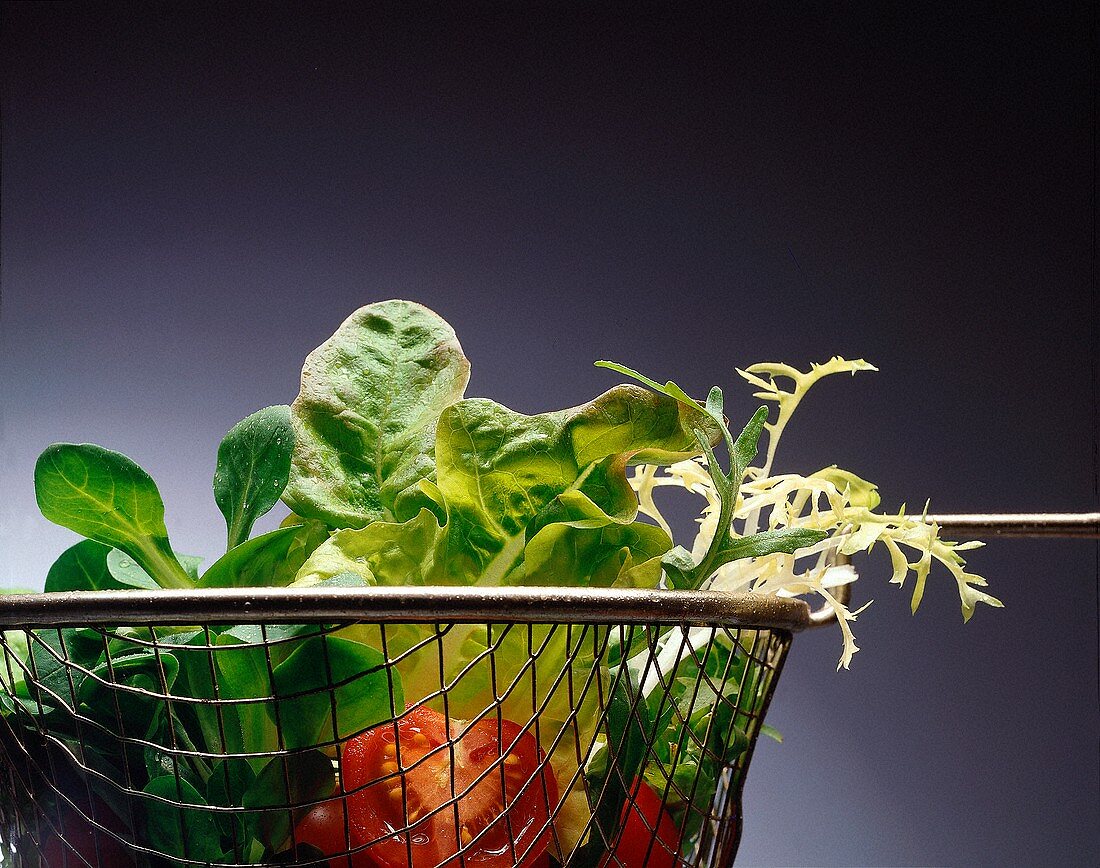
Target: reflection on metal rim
420, 605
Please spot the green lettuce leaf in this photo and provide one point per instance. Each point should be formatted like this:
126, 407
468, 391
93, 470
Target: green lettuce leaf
257, 562
505, 476
106, 497
555, 482
252, 470
364, 420
588, 547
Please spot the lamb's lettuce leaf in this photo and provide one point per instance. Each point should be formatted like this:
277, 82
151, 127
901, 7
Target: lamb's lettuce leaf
253, 469
331, 688
189, 832
295, 778
364, 420
256, 562
105, 496
82, 567
129, 573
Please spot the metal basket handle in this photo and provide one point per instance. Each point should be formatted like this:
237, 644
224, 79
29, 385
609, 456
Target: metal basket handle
1075, 525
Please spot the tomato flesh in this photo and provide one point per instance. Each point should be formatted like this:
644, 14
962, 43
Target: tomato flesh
650, 838
399, 777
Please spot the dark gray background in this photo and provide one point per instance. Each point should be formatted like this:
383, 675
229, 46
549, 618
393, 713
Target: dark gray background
192, 202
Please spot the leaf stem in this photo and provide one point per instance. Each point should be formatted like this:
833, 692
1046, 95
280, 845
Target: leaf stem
164, 568
727, 495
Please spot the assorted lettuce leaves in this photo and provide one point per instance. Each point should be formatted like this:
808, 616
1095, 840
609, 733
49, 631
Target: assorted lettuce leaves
528, 500
395, 478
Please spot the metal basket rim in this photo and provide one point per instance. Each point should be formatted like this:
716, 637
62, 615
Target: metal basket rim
544, 605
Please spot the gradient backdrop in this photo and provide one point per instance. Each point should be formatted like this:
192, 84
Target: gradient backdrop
192, 202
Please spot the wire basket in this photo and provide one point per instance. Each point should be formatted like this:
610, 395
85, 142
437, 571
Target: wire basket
419, 727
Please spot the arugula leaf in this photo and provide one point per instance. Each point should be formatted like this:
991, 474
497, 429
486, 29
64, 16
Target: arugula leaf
669, 388
105, 496
742, 452
685, 574
785, 540
253, 469
365, 418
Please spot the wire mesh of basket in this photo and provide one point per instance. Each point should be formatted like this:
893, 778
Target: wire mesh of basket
364, 727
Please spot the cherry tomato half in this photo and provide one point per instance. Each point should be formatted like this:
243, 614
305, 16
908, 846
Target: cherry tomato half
650, 838
324, 828
501, 795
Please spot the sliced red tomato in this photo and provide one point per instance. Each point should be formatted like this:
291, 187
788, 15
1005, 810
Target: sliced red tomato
650, 837
324, 828
496, 815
